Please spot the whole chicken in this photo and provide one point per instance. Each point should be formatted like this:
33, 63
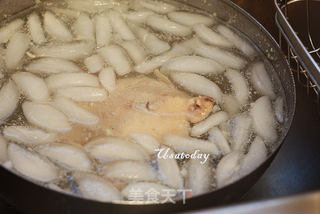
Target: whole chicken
142, 105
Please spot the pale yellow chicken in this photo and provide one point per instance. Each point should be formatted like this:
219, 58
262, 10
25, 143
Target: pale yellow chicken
142, 105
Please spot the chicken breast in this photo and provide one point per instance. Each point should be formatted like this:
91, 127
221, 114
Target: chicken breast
142, 105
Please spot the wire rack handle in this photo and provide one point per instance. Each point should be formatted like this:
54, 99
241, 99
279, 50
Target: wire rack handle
300, 51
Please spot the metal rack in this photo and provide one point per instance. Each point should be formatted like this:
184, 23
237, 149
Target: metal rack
303, 51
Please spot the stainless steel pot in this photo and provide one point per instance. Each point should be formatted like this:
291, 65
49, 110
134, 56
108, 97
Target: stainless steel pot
30, 197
